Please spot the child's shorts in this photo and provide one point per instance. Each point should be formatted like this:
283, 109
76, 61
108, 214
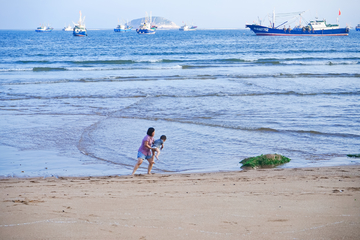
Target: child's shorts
157, 149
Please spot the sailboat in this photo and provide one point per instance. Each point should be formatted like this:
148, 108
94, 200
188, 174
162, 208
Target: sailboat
146, 28
79, 28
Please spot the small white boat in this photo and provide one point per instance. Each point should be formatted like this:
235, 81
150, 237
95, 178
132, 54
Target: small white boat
44, 28
187, 28
68, 28
122, 28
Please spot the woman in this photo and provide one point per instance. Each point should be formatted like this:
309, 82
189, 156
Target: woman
144, 151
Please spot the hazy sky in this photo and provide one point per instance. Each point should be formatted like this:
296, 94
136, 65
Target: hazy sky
28, 14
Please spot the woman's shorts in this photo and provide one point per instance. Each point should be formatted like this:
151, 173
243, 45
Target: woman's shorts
142, 156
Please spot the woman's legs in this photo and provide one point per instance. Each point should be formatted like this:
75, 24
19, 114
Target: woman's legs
151, 163
137, 165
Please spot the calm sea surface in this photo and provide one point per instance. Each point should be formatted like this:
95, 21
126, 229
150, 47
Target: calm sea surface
80, 106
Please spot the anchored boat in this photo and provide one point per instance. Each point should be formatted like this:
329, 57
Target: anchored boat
313, 28
43, 28
185, 27
68, 28
357, 27
79, 28
123, 27
146, 28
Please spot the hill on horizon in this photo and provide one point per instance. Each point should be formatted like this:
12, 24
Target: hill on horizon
160, 22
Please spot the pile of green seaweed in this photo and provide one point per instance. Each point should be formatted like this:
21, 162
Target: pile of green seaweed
264, 161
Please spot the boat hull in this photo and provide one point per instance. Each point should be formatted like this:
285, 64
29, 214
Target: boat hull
357, 28
80, 34
265, 31
121, 30
43, 30
145, 31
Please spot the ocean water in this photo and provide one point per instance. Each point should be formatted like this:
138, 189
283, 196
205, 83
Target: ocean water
81, 106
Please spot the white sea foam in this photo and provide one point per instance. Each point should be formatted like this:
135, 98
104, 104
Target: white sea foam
15, 69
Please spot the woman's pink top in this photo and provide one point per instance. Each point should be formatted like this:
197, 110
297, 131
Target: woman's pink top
144, 149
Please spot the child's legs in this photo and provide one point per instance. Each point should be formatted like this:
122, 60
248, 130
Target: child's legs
153, 150
156, 153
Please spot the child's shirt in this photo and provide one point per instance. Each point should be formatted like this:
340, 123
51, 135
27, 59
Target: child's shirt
158, 143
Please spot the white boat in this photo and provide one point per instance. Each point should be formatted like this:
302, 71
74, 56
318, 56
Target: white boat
187, 28
68, 28
184, 28
123, 27
44, 28
80, 29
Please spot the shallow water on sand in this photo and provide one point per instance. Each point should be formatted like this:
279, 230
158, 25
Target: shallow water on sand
81, 106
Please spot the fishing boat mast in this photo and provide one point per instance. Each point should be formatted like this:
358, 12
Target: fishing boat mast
273, 19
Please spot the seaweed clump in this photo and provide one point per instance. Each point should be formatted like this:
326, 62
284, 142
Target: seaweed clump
354, 155
262, 161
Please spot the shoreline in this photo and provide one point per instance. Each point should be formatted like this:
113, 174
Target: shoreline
276, 203
2, 177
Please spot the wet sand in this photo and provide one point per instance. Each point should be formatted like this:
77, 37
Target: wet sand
302, 203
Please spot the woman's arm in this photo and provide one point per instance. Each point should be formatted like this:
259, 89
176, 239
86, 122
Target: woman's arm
147, 145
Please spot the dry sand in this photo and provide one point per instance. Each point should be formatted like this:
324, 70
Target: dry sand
306, 203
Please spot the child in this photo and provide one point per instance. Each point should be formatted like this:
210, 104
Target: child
157, 146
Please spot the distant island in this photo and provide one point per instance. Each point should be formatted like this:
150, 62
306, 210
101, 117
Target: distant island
160, 22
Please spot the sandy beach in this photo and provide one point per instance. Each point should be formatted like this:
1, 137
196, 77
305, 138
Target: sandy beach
300, 203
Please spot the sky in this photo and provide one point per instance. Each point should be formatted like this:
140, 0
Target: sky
104, 14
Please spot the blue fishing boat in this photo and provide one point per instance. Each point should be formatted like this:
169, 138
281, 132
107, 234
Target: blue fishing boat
122, 28
357, 27
313, 28
146, 27
43, 28
79, 28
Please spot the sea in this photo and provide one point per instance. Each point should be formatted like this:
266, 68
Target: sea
80, 106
